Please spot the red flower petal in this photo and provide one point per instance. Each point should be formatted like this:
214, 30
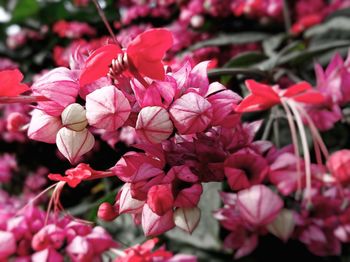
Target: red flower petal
254, 103
147, 50
297, 89
97, 65
261, 98
312, 97
10, 83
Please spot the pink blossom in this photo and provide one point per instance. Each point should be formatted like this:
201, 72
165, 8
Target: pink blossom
339, 165
60, 86
191, 113
258, 205
43, 127
8, 165
107, 108
72, 29
160, 199
7, 245
49, 255
245, 168
153, 124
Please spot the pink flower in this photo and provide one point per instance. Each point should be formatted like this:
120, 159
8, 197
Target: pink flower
60, 86
153, 124
258, 205
107, 108
160, 199
245, 168
144, 253
191, 113
339, 165
7, 245
80, 249
44, 127
8, 165
72, 29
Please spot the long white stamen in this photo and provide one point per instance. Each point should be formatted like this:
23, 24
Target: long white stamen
304, 144
295, 142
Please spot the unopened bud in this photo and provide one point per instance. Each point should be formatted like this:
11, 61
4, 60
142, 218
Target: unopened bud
74, 117
153, 124
187, 218
197, 21
106, 212
107, 108
15, 121
73, 144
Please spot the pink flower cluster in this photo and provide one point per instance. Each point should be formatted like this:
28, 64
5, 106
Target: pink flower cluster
333, 84
33, 235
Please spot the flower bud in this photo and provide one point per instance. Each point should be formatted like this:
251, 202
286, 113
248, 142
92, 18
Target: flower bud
43, 127
106, 212
73, 144
74, 117
339, 165
107, 108
153, 124
191, 113
283, 226
15, 121
187, 218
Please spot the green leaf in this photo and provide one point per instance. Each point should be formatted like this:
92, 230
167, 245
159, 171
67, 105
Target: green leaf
339, 24
229, 39
246, 59
271, 44
24, 9
298, 57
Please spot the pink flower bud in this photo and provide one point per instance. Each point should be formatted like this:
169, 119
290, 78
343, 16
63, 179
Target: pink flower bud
339, 165
106, 212
197, 21
73, 144
187, 218
74, 117
258, 205
15, 121
153, 124
283, 226
160, 199
43, 127
7, 245
191, 113
107, 108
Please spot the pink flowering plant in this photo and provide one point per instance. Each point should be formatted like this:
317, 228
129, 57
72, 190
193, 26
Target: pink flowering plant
177, 131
